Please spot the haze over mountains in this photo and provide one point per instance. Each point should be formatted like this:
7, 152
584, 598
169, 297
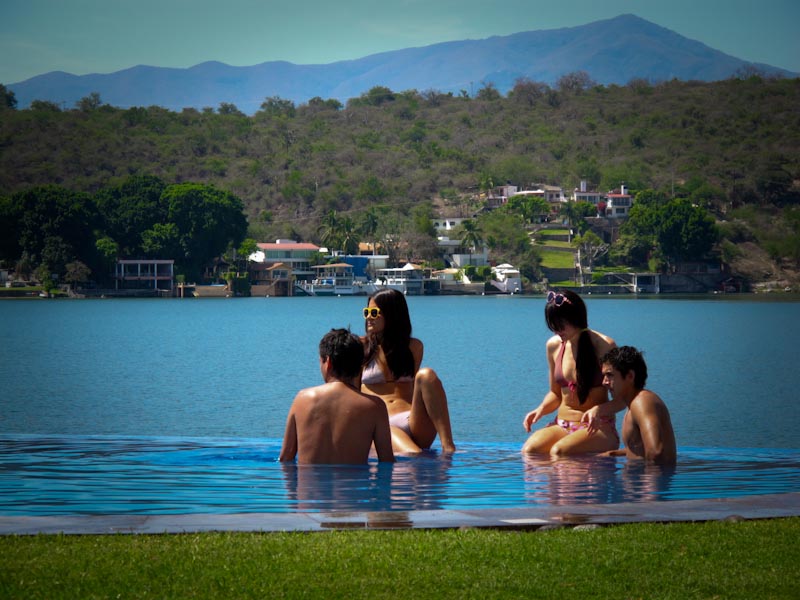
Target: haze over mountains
612, 51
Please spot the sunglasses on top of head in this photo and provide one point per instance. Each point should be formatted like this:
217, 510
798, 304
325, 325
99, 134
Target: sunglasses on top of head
557, 298
372, 312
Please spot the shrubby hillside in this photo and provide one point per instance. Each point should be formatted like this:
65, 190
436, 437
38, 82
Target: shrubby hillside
731, 147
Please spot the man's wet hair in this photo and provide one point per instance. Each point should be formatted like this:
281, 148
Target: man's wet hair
625, 359
345, 350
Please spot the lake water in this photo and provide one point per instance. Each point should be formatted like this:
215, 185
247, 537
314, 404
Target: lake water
105, 402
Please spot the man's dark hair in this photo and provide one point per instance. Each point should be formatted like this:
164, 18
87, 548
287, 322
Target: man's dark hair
625, 359
345, 351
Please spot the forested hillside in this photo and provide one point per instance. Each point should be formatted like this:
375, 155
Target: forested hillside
732, 147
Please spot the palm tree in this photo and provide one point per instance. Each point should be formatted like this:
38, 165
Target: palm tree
348, 236
330, 230
472, 236
574, 215
369, 226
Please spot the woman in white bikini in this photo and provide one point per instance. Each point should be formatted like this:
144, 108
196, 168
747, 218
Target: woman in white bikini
414, 396
586, 420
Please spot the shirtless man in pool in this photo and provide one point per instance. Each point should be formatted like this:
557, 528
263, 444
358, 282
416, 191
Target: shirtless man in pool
335, 423
647, 428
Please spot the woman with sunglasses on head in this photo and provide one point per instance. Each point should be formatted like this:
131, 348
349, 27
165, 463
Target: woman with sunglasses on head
586, 420
414, 396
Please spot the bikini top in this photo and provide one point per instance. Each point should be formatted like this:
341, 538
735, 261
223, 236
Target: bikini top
558, 373
373, 374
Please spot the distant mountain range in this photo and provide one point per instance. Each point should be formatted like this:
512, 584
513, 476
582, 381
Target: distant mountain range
612, 51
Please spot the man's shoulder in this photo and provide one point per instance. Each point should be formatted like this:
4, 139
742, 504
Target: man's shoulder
367, 401
312, 393
645, 400
375, 401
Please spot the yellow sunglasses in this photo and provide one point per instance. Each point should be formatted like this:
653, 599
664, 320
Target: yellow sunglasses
372, 312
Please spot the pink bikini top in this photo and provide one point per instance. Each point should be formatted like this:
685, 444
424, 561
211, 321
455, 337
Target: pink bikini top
373, 374
558, 373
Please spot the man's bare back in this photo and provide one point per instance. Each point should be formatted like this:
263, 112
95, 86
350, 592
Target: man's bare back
333, 423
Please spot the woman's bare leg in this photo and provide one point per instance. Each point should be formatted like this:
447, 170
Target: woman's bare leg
580, 442
542, 440
430, 414
402, 442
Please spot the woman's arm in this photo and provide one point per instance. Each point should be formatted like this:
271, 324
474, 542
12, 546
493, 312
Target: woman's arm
417, 350
552, 399
550, 403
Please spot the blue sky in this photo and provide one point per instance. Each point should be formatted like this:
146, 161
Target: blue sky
102, 36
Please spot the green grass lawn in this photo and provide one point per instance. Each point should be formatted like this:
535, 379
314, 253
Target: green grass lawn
554, 244
747, 559
553, 259
552, 232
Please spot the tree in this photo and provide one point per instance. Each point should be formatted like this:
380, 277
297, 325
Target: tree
330, 230
45, 106
369, 226
486, 182
376, 96
575, 214
574, 82
54, 224
422, 220
590, 247
275, 106
45, 276
632, 250
10, 215
246, 249
228, 108
162, 241
774, 182
131, 208
7, 98
528, 92
108, 251
509, 242
317, 103
471, 236
89, 103
208, 220
371, 190
349, 236
529, 208
685, 232
56, 253
77, 272
488, 92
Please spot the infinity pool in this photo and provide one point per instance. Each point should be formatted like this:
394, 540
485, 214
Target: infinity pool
92, 475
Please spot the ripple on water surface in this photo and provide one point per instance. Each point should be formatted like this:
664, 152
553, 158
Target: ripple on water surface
46, 475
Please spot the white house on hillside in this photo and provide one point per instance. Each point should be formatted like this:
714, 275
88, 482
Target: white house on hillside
618, 203
592, 197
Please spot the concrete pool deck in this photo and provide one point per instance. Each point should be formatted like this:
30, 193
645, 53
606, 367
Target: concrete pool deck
535, 517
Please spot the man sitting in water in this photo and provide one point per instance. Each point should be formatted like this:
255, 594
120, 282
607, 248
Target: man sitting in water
334, 422
647, 428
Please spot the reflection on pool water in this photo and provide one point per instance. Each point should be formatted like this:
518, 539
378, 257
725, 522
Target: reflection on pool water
69, 475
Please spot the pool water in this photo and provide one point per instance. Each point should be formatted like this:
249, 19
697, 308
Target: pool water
91, 475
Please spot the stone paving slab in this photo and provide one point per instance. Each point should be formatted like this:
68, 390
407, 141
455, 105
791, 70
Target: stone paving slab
744, 507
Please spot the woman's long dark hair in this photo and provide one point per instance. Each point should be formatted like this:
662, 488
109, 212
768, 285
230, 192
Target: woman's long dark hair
395, 340
573, 311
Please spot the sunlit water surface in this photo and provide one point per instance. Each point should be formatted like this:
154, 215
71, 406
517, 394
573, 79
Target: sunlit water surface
98, 475
159, 406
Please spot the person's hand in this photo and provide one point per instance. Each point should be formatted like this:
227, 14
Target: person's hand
590, 417
531, 418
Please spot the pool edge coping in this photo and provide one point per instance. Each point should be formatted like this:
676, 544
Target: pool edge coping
765, 506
